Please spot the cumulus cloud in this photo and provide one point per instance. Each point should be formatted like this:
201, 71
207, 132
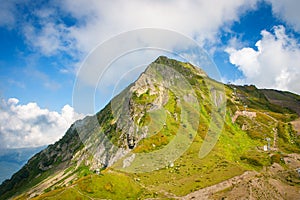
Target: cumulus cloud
29, 125
47, 29
104, 19
274, 64
288, 11
47, 39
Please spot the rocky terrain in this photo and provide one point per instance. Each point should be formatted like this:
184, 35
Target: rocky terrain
173, 134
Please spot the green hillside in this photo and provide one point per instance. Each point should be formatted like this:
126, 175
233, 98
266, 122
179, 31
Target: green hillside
239, 118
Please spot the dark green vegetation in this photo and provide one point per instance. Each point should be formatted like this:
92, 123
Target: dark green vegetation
68, 170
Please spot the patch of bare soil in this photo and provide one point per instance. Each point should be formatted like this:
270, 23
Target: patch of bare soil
275, 182
296, 125
207, 192
56, 178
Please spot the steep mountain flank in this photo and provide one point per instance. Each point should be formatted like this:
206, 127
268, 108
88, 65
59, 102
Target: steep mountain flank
171, 133
283, 99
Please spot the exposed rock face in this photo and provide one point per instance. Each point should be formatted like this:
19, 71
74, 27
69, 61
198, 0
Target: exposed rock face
158, 117
248, 114
102, 144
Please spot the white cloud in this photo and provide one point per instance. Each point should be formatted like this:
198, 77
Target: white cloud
275, 63
288, 10
29, 125
50, 39
104, 19
97, 21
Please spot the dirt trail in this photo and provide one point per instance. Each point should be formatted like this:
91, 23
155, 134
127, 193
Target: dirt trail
205, 193
296, 125
274, 182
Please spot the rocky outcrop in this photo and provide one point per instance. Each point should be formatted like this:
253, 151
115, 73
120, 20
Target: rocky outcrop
248, 114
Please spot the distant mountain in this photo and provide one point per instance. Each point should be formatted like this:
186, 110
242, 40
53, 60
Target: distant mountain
11, 160
173, 133
283, 99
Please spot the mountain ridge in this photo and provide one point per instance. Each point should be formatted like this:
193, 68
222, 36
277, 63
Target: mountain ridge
97, 144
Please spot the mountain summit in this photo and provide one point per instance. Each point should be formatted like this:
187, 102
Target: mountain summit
173, 133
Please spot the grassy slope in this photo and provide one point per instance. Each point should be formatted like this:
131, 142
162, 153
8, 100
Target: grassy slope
236, 151
110, 186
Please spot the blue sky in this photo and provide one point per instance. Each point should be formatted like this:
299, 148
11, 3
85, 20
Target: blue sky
44, 43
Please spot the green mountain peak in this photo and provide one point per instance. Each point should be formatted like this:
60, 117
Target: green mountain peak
171, 134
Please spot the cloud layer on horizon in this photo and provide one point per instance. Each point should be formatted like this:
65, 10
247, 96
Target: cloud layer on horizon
28, 125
